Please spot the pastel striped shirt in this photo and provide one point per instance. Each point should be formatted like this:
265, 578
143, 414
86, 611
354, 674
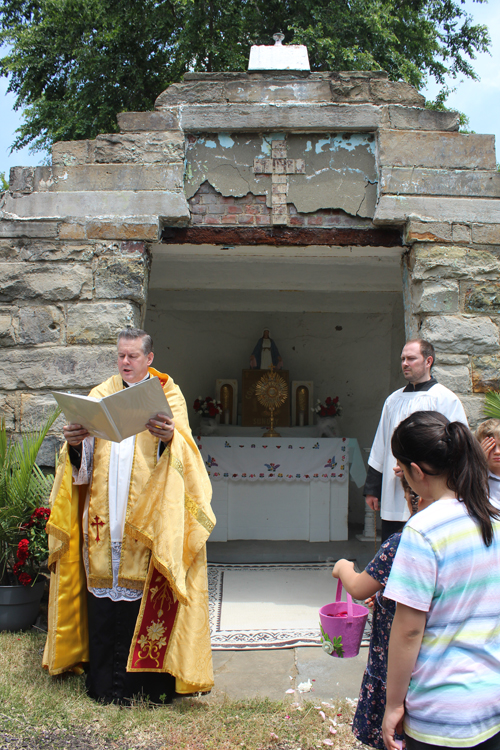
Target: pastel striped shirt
443, 567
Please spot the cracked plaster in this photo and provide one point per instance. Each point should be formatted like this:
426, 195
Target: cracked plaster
340, 169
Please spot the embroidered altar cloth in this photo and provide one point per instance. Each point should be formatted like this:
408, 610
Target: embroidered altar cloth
275, 459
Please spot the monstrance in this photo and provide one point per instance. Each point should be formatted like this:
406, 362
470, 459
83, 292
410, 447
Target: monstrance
271, 391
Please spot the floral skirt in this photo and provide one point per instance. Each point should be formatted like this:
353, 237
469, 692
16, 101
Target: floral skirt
367, 722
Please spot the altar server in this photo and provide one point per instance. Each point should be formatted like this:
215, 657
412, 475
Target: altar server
127, 534
423, 393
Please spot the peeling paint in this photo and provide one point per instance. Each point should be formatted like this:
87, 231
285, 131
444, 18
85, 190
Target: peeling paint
340, 170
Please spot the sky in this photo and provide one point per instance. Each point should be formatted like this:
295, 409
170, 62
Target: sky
479, 100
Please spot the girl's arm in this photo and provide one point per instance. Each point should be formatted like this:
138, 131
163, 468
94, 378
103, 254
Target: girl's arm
358, 585
406, 638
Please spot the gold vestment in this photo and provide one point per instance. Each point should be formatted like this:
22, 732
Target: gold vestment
168, 521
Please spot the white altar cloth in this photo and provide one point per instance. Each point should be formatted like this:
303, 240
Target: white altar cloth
313, 508
275, 459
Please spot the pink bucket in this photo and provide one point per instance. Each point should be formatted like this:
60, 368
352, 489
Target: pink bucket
343, 624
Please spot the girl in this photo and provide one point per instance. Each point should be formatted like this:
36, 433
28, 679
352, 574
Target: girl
367, 723
444, 653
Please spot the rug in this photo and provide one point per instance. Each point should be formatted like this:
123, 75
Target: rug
266, 606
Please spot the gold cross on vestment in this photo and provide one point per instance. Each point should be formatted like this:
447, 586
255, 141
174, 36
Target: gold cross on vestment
279, 167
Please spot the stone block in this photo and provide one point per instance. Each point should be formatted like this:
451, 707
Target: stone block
262, 117
199, 92
482, 297
7, 327
67, 153
395, 92
135, 122
57, 368
485, 374
462, 234
396, 209
399, 148
455, 377
350, 90
474, 409
40, 324
427, 231
32, 250
449, 182
45, 281
8, 411
274, 90
416, 118
49, 451
95, 177
486, 234
145, 148
35, 409
453, 262
101, 322
21, 179
461, 333
102, 203
72, 230
39, 229
139, 228
121, 278
436, 297
452, 359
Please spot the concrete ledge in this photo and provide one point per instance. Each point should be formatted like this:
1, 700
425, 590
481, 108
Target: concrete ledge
103, 203
396, 209
260, 117
418, 118
397, 148
464, 182
135, 122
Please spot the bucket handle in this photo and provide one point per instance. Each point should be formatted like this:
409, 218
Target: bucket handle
349, 599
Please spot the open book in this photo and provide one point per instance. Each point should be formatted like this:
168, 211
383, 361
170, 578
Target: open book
118, 416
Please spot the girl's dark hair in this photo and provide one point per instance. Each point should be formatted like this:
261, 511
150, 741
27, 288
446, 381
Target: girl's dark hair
439, 446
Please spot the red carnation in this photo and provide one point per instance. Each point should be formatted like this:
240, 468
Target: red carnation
25, 579
22, 550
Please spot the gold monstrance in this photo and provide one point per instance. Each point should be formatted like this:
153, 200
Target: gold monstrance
271, 391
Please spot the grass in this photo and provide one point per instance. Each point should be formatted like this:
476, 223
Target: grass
32, 703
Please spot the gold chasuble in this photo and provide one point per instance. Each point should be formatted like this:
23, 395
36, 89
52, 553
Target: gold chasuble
168, 522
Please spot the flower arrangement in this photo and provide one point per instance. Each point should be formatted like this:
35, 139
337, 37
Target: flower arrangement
207, 407
24, 492
331, 407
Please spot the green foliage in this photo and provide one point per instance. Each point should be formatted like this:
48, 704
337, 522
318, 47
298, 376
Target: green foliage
492, 404
4, 185
73, 64
23, 488
335, 643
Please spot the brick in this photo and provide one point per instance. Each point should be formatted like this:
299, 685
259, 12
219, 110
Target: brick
245, 219
212, 219
314, 220
229, 219
234, 210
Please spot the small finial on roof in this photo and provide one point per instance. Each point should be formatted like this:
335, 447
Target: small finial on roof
278, 39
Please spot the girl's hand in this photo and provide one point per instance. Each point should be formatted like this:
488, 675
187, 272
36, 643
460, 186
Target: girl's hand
487, 445
393, 722
336, 572
370, 602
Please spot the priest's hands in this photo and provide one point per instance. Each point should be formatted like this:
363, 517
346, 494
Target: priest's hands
74, 433
373, 502
161, 427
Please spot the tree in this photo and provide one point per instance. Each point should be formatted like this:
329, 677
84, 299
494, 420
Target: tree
4, 185
74, 64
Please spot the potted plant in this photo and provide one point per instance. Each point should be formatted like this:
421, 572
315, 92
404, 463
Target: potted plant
24, 495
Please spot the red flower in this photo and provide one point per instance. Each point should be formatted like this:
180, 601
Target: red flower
212, 410
25, 579
16, 567
22, 551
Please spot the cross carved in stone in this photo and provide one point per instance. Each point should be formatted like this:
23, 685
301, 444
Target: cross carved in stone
279, 167
97, 522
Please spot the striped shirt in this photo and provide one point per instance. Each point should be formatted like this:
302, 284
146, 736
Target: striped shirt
443, 567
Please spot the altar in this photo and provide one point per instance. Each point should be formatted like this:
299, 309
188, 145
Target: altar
290, 487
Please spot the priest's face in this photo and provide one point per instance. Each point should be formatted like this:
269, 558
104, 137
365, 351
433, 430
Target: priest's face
132, 362
416, 368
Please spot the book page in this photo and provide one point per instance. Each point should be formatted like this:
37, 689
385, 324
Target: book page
131, 408
87, 411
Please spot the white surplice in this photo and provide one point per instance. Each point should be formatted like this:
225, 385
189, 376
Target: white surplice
397, 407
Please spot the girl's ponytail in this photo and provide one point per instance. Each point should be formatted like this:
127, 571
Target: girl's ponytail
439, 447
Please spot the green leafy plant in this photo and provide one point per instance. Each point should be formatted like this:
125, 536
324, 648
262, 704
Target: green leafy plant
24, 491
331, 645
492, 404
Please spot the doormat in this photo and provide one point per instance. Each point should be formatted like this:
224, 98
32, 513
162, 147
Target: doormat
265, 606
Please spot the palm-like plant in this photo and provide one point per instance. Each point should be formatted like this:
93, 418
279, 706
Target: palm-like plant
492, 404
23, 489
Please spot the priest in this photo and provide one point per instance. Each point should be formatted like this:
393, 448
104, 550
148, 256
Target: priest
383, 487
127, 551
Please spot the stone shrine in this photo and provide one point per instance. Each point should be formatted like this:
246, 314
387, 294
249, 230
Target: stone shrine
332, 206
